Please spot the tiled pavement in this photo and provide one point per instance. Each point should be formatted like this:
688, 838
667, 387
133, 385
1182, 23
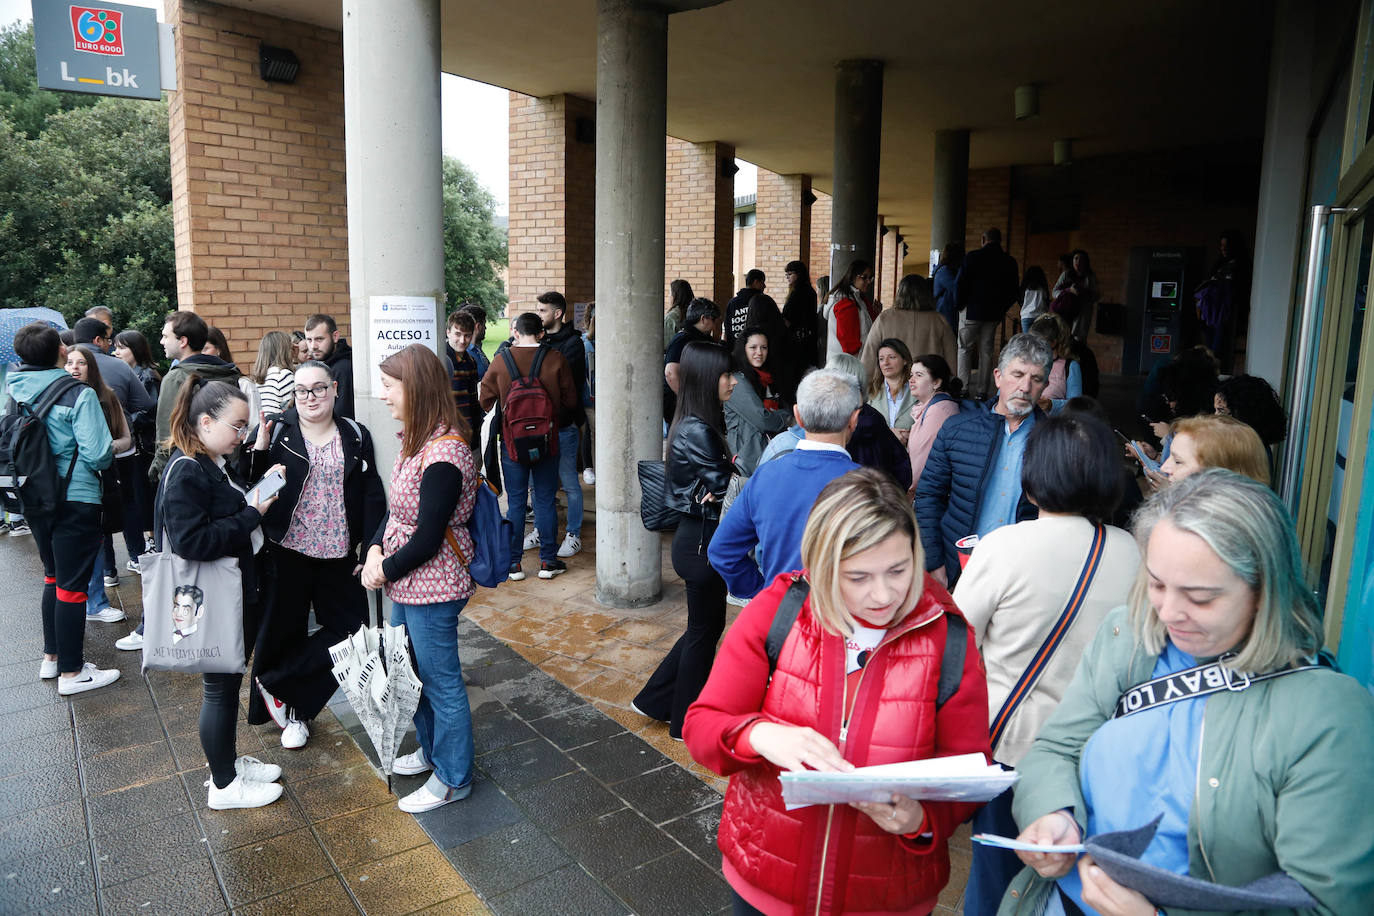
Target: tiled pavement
580, 806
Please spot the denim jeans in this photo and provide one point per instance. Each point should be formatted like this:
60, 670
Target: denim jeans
96, 599
544, 477
993, 869
568, 478
443, 720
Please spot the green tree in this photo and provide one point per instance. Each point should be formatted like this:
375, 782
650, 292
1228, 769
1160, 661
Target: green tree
474, 247
27, 106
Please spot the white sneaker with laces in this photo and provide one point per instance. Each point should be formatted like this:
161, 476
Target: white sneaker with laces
242, 793
88, 678
572, 545
275, 707
107, 615
48, 669
532, 540
111, 581
131, 642
427, 799
589, 477
412, 764
133, 567
254, 770
296, 733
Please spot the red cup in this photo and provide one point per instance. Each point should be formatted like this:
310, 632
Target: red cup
965, 546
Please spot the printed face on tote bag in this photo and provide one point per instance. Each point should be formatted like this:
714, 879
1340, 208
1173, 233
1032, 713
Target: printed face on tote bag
188, 607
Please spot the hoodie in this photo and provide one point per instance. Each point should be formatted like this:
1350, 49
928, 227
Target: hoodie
78, 424
340, 363
210, 368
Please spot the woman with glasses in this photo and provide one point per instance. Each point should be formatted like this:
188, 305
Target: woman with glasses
850, 310
332, 501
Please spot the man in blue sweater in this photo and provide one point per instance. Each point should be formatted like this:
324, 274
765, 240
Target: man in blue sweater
770, 513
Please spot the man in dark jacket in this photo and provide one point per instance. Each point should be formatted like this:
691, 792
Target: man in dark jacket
560, 334
985, 288
972, 480
322, 336
700, 325
133, 397
737, 309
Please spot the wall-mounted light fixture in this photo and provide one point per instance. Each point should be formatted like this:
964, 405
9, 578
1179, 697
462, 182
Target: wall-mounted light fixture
728, 168
1063, 152
1027, 99
278, 65
808, 198
883, 230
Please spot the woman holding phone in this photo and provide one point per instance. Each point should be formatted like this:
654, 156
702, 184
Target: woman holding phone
332, 502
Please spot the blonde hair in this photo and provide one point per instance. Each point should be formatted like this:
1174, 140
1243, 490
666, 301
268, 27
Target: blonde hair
855, 512
1249, 530
1225, 442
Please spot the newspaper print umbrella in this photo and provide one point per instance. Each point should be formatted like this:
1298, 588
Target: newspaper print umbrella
374, 670
11, 320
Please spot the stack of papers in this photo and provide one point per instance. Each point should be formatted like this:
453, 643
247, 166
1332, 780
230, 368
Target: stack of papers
967, 777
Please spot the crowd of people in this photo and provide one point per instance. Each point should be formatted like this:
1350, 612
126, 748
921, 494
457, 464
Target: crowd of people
939, 550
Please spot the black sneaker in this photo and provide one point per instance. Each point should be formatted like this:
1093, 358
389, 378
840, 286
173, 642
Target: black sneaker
516, 574
551, 568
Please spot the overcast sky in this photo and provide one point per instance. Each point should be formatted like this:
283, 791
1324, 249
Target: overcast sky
475, 119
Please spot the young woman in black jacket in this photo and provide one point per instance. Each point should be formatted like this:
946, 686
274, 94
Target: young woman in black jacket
203, 512
332, 501
699, 467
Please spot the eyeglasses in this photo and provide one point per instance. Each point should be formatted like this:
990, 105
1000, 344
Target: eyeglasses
305, 394
867, 278
240, 431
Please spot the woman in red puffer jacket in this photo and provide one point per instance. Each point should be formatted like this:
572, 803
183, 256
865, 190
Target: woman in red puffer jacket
855, 685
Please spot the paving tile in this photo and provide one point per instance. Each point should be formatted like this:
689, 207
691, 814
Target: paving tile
405, 882
462, 905
19, 754
14, 673
627, 658
612, 687
535, 694
29, 882
79, 905
101, 736
494, 727
640, 632
38, 789
506, 858
499, 673
268, 867
43, 828
697, 831
327, 752
523, 765
325, 896
485, 810
332, 794
695, 888
161, 845
532, 654
174, 892
127, 766
960, 861
576, 727
370, 834
568, 891
241, 826
40, 720
569, 671
129, 807
527, 631
124, 697
566, 800
666, 793
28, 696
614, 843
618, 758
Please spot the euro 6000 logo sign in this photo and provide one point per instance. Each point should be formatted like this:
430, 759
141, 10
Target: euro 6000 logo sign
97, 30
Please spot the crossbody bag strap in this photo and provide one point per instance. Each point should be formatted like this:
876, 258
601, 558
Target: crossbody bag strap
783, 618
448, 529
1031, 675
1198, 681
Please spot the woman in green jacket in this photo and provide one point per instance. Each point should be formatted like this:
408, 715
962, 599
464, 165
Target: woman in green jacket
1268, 772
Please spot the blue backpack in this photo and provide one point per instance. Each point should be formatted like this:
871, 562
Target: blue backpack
491, 538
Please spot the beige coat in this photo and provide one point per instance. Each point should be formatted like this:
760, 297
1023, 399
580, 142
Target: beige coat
922, 332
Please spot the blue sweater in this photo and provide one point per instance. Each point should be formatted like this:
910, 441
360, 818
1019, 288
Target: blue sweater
769, 516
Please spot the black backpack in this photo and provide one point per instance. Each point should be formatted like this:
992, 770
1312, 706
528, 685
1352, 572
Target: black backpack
29, 484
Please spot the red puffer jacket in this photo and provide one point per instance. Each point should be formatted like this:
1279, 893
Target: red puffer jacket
834, 858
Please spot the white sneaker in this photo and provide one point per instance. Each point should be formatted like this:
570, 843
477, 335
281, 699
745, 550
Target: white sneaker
296, 733
532, 540
254, 770
735, 600
107, 615
242, 793
88, 678
133, 567
275, 707
19, 528
572, 544
131, 642
48, 669
111, 581
423, 799
412, 764
589, 477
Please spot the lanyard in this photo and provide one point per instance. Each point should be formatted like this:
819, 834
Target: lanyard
1198, 681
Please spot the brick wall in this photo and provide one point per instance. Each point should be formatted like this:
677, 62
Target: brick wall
784, 224
819, 262
552, 200
258, 198
989, 204
698, 236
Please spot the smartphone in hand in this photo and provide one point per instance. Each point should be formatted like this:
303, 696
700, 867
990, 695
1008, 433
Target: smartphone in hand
265, 489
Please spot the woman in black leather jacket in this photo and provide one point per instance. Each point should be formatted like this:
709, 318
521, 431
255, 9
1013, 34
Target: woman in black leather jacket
698, 471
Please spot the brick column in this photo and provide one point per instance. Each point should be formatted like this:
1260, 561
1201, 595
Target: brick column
881, 244
698, 238
819, 254
989, 204
259, 207
552, 199
783, 224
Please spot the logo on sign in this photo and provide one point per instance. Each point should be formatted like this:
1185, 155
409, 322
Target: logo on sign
1160, 343
98, 31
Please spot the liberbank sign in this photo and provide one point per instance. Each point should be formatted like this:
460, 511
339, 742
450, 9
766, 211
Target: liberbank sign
106, 49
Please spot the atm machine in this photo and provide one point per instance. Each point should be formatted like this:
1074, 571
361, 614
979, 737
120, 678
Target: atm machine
1159, 287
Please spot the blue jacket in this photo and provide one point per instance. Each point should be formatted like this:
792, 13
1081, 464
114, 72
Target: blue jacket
947, 495
79, 426
769, 516
943, 283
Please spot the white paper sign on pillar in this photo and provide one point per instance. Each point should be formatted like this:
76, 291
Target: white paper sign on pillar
396, 322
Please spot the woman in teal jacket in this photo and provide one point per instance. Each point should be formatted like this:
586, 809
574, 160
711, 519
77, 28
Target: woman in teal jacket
1271, 772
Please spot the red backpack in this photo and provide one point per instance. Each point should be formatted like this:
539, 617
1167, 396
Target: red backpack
528, 425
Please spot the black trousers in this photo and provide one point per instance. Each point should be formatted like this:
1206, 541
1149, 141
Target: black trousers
219, 705
291, 663
137, 496
677, 682
68, 543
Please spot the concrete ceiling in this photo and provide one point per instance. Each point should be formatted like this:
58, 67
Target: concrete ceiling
1113, 77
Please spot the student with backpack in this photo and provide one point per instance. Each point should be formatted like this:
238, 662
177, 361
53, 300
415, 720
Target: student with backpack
535, 388
332, 504
56, 441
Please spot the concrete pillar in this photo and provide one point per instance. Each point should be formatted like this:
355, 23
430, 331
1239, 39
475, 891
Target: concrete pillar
631, 121
395, 176
949, 205
858, 132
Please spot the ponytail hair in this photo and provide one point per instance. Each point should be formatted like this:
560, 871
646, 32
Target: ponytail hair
195, 399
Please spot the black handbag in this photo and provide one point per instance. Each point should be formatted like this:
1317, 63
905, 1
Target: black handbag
654, 510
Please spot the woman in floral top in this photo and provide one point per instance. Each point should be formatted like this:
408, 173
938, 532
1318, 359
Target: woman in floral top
421, 556
332, 503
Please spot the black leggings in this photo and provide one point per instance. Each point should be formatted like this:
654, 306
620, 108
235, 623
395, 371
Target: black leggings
137, 497
677, 682
219, 716
68, 545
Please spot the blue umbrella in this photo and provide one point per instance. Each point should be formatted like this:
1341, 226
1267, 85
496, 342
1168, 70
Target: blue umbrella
12, 320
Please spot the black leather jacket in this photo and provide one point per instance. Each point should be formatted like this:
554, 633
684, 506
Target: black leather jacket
698, 463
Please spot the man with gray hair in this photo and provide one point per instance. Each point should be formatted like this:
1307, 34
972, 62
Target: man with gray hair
770, 514
972, 481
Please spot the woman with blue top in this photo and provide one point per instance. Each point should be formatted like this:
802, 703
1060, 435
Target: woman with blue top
1255, 753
